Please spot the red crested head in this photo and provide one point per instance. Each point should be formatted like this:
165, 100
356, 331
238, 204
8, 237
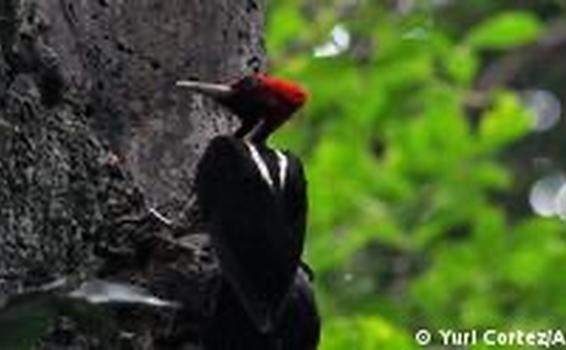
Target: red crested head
286, 91
266, 97
256, 97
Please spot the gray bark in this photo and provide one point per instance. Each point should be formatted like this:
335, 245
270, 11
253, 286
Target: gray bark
93, 133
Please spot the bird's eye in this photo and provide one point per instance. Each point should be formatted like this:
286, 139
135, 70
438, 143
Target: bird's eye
248, 83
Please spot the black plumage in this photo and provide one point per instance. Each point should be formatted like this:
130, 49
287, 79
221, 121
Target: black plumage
254, 199
297, 329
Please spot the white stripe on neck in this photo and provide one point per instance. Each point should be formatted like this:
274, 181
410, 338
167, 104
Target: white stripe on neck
283, 163
261, 166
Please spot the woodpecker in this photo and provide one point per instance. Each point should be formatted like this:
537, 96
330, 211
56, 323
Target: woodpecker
262, 103
254, 199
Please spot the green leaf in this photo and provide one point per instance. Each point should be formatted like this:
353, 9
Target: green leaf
504, 123
462, 64
505, 30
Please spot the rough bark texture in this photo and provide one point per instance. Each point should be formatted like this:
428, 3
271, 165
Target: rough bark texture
93, 133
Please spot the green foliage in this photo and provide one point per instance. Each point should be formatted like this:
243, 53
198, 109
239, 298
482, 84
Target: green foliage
505, 30
405, 229
364, 333
503, 124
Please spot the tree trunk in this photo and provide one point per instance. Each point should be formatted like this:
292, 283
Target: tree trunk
93, 134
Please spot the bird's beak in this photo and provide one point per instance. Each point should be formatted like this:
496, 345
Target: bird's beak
214, 90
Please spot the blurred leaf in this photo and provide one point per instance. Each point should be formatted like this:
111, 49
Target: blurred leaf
504, 123
505, 30
462, 64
